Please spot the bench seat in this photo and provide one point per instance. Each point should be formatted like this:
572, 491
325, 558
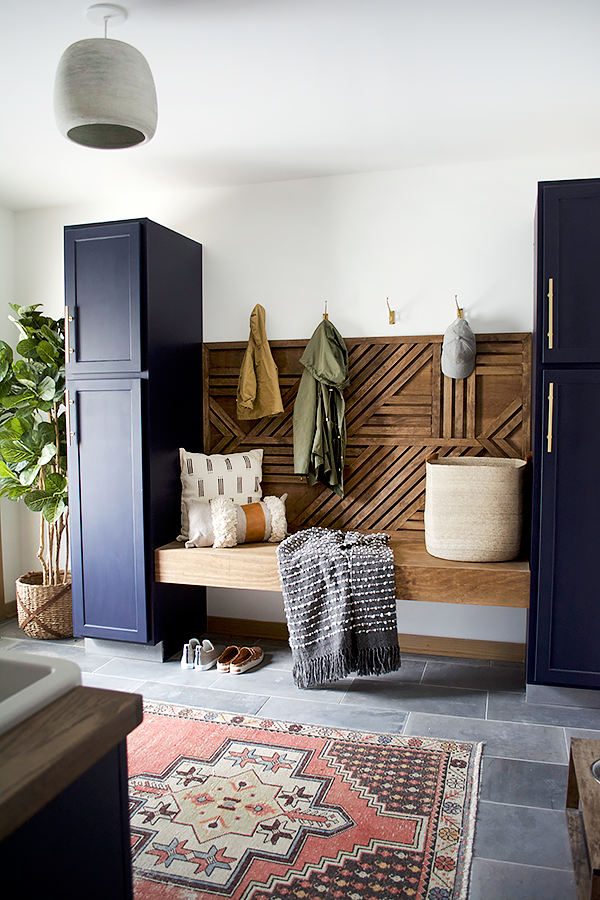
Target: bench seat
418, 575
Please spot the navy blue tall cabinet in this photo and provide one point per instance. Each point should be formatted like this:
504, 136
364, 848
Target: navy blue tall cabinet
133, 295
564, 622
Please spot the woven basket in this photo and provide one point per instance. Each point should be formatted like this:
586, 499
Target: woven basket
44, 611
474, 508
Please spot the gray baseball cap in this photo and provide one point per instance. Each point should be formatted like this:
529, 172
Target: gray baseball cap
458, 350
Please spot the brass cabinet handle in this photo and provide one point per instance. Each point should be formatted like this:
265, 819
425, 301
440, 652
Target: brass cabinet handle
68, 348
550, 415
550, 313
68, 403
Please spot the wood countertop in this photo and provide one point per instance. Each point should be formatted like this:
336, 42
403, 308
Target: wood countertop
45, 754
418, 575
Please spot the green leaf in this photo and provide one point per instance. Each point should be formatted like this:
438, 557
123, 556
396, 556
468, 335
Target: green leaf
14, 490
55, 483
16, 426
27, 348
6, 473
6, 358
29, 474
46, 389
14, 452
46, 352
50, 505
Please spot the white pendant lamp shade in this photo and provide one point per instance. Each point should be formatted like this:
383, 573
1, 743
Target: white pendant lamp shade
104, 95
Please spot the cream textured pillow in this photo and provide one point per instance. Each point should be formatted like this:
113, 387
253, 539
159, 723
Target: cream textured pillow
237, 476
222, 523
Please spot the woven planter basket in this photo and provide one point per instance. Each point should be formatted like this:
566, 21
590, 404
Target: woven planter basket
44, 611
474, 508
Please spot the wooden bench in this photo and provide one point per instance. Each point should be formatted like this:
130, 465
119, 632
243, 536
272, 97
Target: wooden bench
418, 575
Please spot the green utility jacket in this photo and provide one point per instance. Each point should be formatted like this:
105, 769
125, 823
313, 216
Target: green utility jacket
258, 391
319, 424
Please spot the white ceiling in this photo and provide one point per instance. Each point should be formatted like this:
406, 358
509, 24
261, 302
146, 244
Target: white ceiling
264, 90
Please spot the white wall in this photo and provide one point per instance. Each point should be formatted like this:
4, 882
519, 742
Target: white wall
15, 519
416, 236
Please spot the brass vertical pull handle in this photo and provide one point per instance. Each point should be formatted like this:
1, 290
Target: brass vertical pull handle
68, 348
550, 415
550, 313
68, 404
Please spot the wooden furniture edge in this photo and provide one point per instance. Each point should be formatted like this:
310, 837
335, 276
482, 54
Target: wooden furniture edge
418, 575
462, 648
583, 815
45, 754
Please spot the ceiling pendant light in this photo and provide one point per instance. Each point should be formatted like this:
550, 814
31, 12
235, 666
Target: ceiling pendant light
104, 94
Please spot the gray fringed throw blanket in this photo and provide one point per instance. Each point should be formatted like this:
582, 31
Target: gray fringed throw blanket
340, 604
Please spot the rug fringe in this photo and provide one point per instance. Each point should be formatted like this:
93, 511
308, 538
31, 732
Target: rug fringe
471, 816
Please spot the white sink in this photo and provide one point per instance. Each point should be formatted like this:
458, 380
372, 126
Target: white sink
29, 682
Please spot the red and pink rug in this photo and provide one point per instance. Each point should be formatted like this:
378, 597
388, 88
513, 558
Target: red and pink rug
235, 806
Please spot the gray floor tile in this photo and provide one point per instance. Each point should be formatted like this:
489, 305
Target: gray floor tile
492, 880
87, 662
463, 661
108, 683
7, 643
586, 733
515, 708
476, 678
277, 654
337, 715
390, 693
522, 834
279, 683
524, 783
410, 670
202, 698
166, 673
126, 649
10, 628
539, 743
563, 696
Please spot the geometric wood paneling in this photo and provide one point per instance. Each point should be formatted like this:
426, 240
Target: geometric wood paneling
400, 408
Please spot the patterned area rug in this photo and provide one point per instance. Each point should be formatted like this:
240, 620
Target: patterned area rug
232, 806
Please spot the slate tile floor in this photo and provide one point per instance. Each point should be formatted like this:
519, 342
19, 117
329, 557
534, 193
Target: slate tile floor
521, 847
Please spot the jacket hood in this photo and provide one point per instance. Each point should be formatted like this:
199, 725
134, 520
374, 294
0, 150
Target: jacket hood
258, 330
326, 356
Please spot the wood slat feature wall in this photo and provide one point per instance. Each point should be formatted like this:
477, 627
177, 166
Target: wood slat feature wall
400, 408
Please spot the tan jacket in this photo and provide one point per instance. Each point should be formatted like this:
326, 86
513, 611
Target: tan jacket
258, 391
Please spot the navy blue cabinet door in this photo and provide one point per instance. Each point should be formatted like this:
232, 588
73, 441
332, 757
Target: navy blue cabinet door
567, 638
107, 509
569, 271
103, 284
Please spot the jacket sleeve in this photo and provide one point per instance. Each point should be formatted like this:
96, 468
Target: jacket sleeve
305, 414
246, 390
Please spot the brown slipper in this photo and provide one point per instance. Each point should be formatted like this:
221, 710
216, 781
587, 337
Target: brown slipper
247, 658
226, 657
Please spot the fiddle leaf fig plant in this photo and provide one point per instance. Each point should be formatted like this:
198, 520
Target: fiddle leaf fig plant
33, 453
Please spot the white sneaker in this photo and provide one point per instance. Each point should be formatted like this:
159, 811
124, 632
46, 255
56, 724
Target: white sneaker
189, 654
206, 655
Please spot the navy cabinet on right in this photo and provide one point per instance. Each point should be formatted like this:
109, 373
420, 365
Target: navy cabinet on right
564, 621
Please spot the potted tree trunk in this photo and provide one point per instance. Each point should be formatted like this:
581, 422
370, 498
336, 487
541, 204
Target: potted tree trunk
33, 463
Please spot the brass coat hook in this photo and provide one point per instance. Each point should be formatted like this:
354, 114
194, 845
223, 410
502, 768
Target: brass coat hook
392, 314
